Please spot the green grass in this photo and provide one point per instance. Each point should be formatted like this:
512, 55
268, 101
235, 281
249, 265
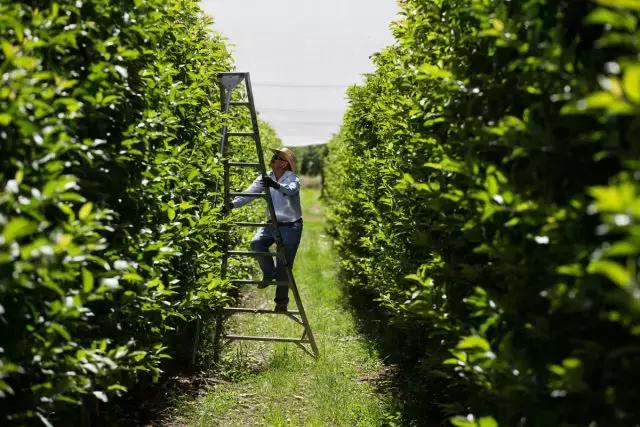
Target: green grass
280, 385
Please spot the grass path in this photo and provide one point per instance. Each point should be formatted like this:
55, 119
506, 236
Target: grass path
278, 384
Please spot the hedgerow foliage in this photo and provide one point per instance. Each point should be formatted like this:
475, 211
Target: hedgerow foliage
109, 129
485, 189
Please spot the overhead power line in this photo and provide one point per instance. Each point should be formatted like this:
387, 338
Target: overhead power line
302, 86
299, 110
307, 122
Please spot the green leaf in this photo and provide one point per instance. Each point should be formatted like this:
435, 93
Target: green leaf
614, 271
607, 101
572, 363
5, 388
473, 341
138, 355
67, 399
460, 421
628, 4
5, 119
54, 287
26, 62
171, 214
61, 330
17, 228
487, 422
612, 199
87, 281
435, 72
447, 165
85, 210
133, 277
117, 387
570, 270
8, 49
185, 205
631, 83
603, 16
622, 248
58, 185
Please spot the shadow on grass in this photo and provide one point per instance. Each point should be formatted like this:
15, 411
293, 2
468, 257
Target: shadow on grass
159, 403
409, 376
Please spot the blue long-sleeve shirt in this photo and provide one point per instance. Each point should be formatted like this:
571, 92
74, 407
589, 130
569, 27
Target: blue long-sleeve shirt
286, 199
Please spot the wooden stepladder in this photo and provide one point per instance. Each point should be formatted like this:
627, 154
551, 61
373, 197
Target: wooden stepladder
228, 82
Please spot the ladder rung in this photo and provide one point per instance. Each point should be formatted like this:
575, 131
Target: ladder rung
275, 339
251, 253
241, 134
244, 164
234, 194
251, 224
257, 310
240, 103
245, 282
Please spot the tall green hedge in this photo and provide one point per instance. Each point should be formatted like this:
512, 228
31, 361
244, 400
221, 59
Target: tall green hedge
485, 192
109, 132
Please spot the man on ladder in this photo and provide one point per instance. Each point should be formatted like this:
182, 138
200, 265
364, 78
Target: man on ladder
285, 193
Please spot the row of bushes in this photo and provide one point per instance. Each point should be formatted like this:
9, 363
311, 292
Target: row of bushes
109, 243
485, 192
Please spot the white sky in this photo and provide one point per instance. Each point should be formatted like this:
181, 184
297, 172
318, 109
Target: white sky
302, 55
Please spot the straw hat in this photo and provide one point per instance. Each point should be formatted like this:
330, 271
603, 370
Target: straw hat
288, 155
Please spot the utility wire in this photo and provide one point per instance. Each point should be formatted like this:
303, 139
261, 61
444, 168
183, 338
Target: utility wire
269, 84
309, 122
295, 110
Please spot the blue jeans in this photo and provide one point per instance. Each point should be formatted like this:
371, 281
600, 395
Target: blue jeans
261, 242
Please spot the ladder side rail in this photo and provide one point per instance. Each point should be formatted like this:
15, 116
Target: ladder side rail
224, 108
263, 169
255, 126
274, 220
226, 96
225, 101
225, 241
303, 314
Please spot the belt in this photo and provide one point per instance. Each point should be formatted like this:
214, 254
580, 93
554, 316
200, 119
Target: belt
290, 224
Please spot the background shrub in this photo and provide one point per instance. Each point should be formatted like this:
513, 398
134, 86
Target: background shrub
109, 242
310, 159
484, 192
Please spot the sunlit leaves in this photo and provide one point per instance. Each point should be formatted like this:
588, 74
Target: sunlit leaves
87, 281
470, 421
17, 228
622, 4
612, 18
631, 83
435, 72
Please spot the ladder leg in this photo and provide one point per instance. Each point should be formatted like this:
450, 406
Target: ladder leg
303, 315
217, 336
196, 341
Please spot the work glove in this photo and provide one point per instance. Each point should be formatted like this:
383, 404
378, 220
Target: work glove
270, 182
